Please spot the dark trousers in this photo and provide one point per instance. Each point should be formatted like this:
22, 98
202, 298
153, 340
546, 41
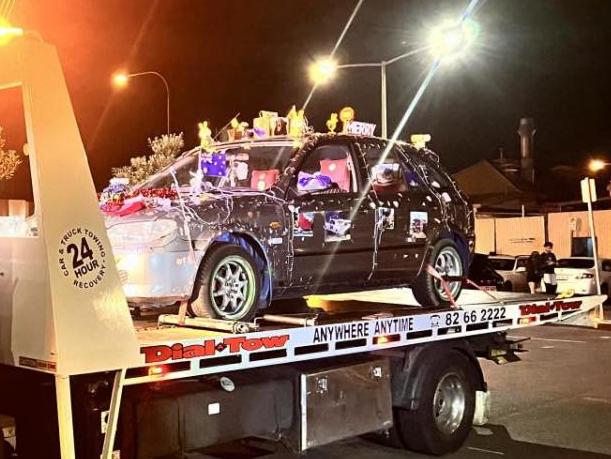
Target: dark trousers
550, 288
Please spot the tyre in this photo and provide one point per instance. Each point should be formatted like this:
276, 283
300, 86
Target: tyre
446, 403
228, 285
446, 259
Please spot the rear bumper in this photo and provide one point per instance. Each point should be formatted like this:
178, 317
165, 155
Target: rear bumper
581, 286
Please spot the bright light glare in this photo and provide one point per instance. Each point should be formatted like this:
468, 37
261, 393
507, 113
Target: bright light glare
451, 39
120, 79
597, 165
323, 71
8, 32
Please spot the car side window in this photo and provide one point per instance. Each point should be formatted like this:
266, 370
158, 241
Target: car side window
433, 176
328, 168
521, 263
389, 174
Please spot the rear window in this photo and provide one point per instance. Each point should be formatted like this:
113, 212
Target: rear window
577, 263
502, 264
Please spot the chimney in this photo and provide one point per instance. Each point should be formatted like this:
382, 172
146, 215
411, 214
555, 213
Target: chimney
527, 132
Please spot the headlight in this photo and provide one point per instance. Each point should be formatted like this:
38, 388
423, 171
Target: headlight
152, 233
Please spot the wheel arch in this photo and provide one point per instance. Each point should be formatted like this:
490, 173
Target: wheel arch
454, 234
254, 248
409, 373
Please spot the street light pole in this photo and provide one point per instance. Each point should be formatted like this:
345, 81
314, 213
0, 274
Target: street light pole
383, 65
383, 97
588, 193
121, 79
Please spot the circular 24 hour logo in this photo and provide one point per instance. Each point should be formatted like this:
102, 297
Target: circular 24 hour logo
82, 258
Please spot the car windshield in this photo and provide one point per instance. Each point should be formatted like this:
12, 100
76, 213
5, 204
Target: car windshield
245, 167
502, 264
577, 263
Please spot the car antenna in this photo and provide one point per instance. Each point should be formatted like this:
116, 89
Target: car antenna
224, 128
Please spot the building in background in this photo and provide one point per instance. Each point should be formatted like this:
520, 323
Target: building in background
505, 184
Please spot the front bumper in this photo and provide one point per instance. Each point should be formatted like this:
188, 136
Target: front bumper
157, 277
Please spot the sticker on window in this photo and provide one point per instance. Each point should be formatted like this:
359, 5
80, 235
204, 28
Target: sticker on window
417, 225
337, 227
215, 165
303, 224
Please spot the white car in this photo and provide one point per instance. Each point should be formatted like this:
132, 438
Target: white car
577, 274
512, 269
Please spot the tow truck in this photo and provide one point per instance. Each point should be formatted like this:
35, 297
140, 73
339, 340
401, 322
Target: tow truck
82, 378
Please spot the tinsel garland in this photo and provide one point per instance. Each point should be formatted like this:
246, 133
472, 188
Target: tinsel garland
116, 200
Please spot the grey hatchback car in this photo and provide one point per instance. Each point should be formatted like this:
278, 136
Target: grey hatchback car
231, 228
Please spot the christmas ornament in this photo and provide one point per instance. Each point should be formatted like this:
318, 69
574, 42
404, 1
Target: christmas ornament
332, 123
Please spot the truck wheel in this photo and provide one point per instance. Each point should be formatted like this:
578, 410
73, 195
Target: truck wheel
446, 402
446, 259
227, 286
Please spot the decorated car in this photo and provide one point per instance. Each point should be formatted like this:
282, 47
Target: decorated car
228, 227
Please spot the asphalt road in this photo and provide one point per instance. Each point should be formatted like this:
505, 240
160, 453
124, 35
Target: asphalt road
555, 403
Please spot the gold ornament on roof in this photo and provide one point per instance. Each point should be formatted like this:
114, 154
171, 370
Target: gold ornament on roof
205, 135
332, 123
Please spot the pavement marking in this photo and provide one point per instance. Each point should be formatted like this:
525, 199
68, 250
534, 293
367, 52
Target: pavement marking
548, 347
482, 450
559, 340
605, 337
597, 399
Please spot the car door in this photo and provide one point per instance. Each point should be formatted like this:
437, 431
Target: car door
331, 223
403, 212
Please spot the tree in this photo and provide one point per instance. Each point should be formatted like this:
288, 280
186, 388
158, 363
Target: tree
165, 149
9, 159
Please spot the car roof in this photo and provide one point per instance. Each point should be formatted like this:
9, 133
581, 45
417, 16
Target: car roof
288, 140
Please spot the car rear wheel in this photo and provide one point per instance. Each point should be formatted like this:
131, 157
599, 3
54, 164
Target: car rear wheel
227, 286
446, 260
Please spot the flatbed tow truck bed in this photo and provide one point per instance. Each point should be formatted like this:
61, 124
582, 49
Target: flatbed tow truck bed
347, 324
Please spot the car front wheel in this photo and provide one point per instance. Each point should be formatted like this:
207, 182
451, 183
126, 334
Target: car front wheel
227, 286
446, 260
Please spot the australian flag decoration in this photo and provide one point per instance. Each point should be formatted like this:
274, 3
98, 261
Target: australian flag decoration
214, 165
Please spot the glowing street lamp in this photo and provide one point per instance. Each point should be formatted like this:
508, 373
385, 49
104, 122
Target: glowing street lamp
8, 32
597, 165
323, 71
450, 40
121, 79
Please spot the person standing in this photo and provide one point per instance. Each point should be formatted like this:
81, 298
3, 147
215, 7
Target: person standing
533, 273
548, 265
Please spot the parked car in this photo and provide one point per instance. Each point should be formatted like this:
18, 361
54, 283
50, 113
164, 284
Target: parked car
482, 272
232, 227
513, 270
578, 274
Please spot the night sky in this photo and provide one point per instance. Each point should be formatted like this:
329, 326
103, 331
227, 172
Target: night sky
547, 59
